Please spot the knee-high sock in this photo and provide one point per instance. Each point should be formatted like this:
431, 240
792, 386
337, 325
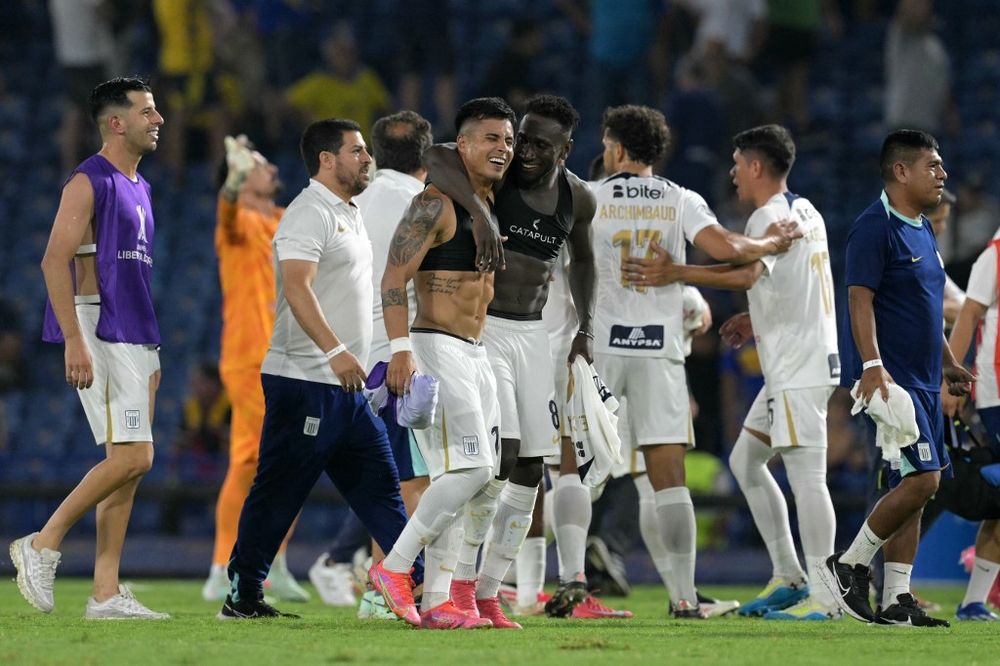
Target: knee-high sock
676, 513
438, 508
440, 557
510, 527
748, 462
649, 528
806, 467
476, 522
984, 573
571, 511
531, 570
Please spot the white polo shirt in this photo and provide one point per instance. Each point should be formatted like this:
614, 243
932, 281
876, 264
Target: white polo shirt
320, 227
382, 206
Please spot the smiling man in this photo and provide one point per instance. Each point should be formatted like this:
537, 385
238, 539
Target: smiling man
434, 246
895, 280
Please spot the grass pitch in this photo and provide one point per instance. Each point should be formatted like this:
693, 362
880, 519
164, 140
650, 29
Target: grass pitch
332, 636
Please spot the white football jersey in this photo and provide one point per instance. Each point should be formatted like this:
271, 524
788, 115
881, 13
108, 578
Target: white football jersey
983, 289
791, 304
632, 212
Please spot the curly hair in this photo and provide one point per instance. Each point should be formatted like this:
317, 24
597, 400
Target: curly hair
642, 131
555, 108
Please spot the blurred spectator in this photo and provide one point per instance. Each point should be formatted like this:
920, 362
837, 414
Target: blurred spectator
84, 47
697, 126
794, 28
187, 84
510, 75
740, 380
13, 365
424, 40
205, 426
917, 71
343, 87
976, 222
939, 217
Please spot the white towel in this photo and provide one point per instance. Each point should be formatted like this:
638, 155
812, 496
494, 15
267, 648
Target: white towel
593, 424
895, 420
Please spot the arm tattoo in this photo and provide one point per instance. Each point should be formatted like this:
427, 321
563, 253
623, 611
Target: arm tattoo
394, 296
414, 228
440, 285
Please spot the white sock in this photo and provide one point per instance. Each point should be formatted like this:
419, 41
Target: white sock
676, 513
438, 507
513, 520
476, 521
806, 469
748, 462
649, 528
895, 582
530, 570
439, 566
863, 548
984, 573
572, 512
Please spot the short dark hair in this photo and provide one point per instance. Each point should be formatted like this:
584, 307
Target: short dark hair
482, 108
555, 108
903, 145
323, 135
773, 143
399, 141
641, 130
115, 93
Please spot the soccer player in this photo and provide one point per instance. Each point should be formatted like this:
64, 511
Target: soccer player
980, 307
103, 310
639, 332
246, 219
793, 322
398, 142
434, 246
316, 419
540, 207
895, 281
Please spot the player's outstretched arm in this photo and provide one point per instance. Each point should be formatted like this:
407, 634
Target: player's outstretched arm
76, 210
422, 224
446, 171
660, 270
732, 248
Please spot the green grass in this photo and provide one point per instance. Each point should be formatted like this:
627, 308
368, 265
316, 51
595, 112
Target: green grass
333, 636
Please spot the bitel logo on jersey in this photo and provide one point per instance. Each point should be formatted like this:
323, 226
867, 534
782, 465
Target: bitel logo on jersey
635, 191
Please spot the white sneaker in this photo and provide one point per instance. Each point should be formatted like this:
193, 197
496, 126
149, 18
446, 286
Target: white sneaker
280, 584
122, 606
217, 586
36, 572
333, 582
373, 607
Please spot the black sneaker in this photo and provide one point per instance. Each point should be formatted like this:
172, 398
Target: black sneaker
849, 587
250, 609
610, 565
685, 610
566, 598
907, 612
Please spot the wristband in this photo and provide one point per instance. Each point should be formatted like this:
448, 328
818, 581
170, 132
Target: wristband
583, 332
336, 350
400, 345
874, 363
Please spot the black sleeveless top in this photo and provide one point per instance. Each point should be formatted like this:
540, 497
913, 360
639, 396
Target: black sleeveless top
457, 254
528, 231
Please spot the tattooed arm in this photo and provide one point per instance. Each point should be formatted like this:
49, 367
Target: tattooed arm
429, 218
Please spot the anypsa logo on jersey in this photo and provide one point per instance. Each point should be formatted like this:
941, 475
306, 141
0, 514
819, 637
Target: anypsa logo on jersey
633, 191
637, 337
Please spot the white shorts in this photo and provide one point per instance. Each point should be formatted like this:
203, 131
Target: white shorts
659, 410
795, 417
519, 355
633, 461
117, 404
466, 430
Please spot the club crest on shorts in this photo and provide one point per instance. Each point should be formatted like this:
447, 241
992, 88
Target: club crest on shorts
924, 451
470, 444
311, 427
132, 419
